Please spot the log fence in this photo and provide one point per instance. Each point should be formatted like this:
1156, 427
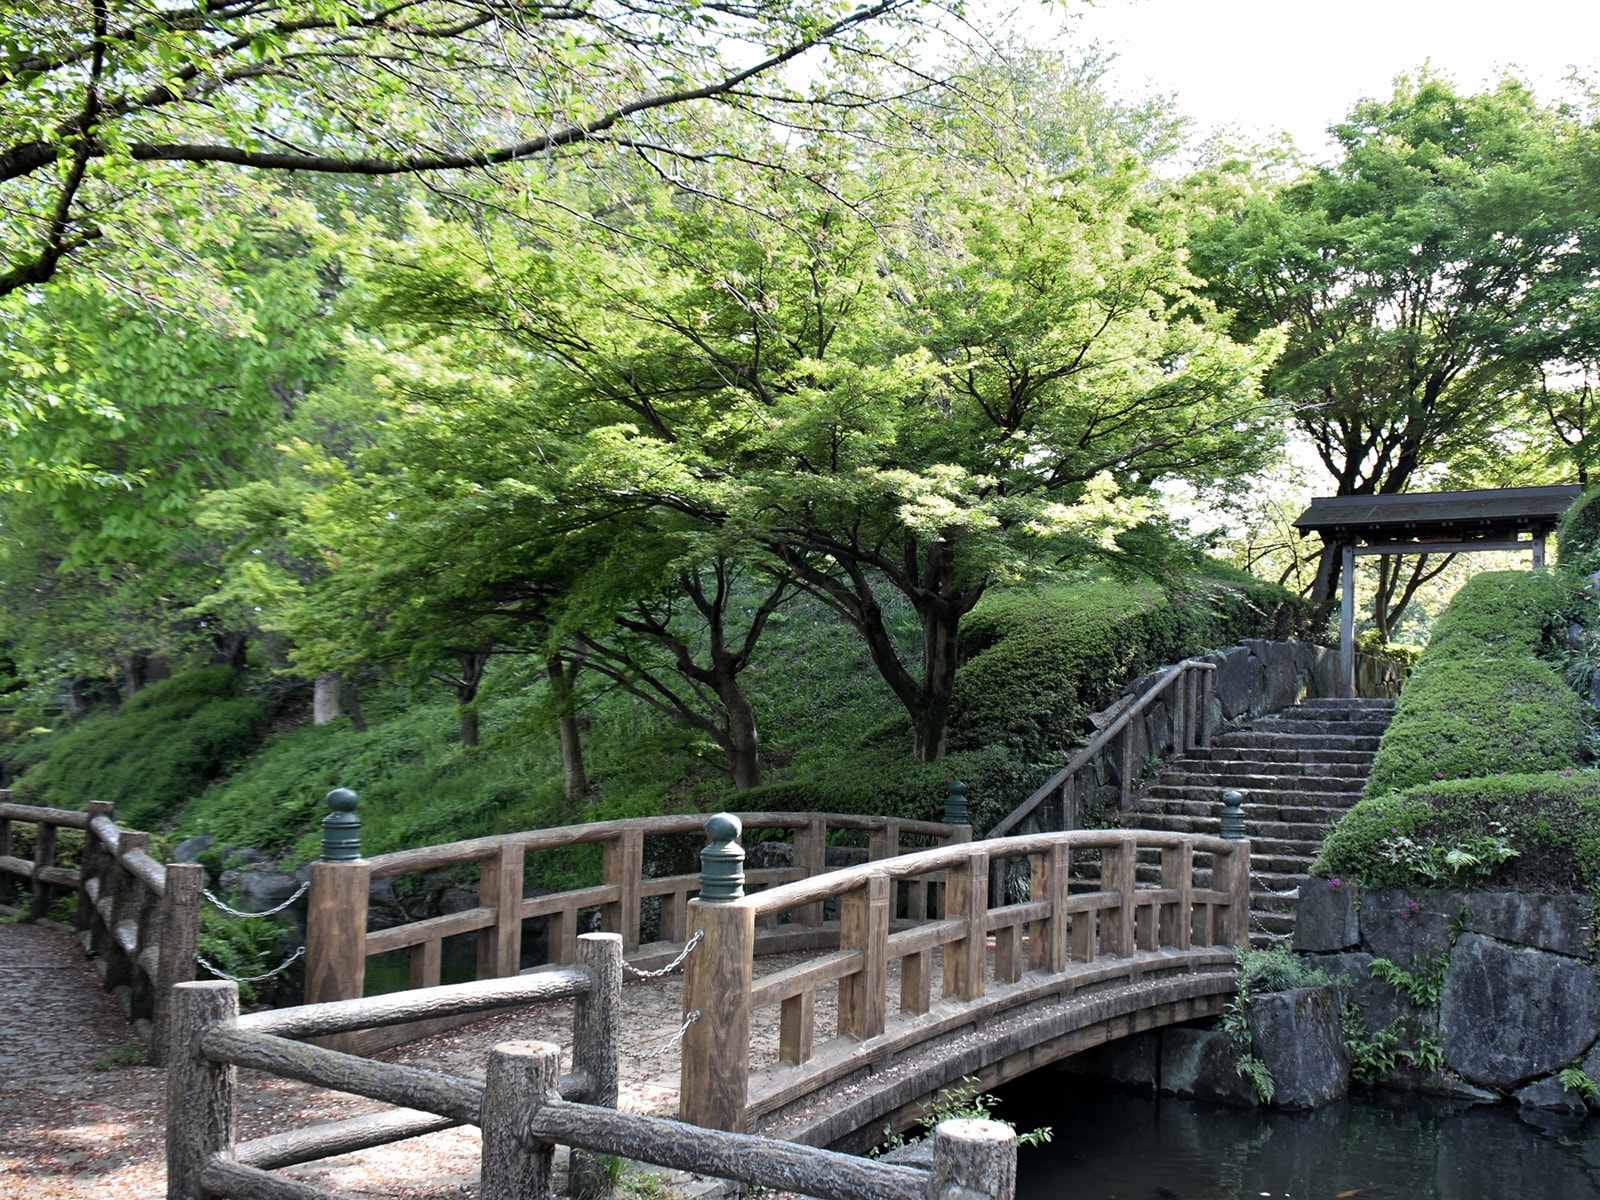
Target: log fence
1061, 937
140, 919
524, 1106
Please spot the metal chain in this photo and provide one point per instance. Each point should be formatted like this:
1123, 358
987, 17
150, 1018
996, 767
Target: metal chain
671, 966
675, 1038
271, 912
277, 970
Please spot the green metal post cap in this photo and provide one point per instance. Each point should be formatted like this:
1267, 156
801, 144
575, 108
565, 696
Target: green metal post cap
955, 803
722, 861
1233, 815
341, 828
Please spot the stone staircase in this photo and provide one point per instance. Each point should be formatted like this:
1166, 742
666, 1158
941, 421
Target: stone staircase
1299, 769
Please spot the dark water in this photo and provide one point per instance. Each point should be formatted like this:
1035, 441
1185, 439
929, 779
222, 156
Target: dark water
1118, 1146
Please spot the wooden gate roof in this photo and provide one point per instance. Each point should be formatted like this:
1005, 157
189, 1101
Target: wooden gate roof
1491, 515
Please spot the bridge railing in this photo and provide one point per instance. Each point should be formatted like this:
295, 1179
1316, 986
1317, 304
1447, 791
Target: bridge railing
338, 943
1085, 906
140, 919
523, 1105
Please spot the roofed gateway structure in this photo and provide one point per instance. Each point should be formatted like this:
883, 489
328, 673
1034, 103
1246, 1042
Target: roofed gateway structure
1429, 523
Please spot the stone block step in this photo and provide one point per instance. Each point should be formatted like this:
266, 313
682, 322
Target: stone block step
1247, 780
1272, 807
1254, 798
1232, 768
1209, 826
1299, 741
1359, 759
1307, 725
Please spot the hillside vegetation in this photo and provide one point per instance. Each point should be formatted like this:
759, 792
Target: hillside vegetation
212, 751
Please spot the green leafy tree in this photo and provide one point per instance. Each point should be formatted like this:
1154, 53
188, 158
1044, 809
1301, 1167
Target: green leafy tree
1409, 277
108, 107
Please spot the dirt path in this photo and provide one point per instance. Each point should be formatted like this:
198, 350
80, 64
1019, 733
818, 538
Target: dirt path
76, 1126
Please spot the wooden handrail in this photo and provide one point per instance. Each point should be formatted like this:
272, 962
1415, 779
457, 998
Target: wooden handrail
1055, 932
1102, 739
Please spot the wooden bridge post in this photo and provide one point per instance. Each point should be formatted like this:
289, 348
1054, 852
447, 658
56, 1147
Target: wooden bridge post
864, 926
1048, 945
178, 940
623, 865
336, 930
714, 1083
44, 855
974, 1158
596, 1024
1117, 867
967, 900
811, 857
1230, 873
500, 888
200, 1093
519, 1077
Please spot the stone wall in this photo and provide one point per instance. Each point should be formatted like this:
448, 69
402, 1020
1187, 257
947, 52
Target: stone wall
1500, 990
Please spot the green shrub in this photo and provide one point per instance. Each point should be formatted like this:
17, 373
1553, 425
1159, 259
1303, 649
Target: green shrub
1538, 832
1037, 663
157, 751
1578, 539
1481, 700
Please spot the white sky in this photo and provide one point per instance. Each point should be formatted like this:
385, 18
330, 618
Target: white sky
1263, 66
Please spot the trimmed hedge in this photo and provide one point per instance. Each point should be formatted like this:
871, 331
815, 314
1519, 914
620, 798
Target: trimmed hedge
1038, 663
1482, 701
1428, 836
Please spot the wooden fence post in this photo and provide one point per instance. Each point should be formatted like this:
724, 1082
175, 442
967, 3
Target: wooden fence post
178, 940
200, 1093
44, 855
595, 1026
1048, 945
127, 901
500, 888
1230, 873
519, 1077
973, 1160
336, 930
93, 866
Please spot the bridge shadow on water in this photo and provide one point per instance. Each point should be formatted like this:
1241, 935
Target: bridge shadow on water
1113, 1145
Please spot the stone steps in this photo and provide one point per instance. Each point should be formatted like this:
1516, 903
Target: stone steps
1300, 770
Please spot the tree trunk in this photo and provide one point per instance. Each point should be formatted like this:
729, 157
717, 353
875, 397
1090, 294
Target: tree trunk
472, 668
1327, 579
931, 722
575, 779
744, 745
325, 706
353, 703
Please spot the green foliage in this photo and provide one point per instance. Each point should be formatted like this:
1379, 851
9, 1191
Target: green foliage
1036, 663
1578, 540
1539, 832
1574, 1079
130, 1054
1481, 701
964, 1101
1373, 642
1402, 1042
1422, 984
243, 947
160, 749
1260, 1077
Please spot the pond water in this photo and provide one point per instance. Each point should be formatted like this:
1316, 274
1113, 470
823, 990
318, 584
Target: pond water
1111, 1145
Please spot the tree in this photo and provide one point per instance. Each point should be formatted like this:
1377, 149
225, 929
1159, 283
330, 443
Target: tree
108, 106
1409, 278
